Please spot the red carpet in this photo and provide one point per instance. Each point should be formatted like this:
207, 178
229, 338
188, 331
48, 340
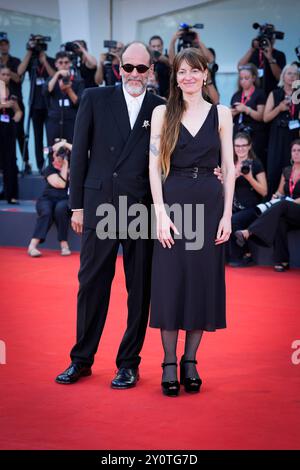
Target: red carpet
251, 390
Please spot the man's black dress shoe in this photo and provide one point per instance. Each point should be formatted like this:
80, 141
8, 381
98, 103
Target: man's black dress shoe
125, 378
73, 373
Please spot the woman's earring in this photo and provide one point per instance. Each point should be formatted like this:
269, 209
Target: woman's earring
204, 82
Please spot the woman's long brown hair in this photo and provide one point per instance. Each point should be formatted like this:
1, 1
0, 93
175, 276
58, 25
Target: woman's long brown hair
176, 106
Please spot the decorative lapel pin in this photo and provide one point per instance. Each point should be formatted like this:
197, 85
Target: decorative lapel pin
146, 124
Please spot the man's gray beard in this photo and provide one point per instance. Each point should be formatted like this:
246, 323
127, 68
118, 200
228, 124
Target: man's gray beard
134, 90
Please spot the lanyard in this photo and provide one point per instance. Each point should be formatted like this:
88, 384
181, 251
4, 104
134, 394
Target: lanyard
40, 70
245, 98
293, 182
292, 110
116, 73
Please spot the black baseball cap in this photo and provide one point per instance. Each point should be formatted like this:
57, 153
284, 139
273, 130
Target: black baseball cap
3, 37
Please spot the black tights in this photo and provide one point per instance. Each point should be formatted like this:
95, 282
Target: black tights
169, 341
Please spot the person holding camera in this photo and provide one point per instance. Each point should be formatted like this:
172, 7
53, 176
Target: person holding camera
10, 115
63, 93
39, 67
247, 106
108, 70
250, 188
53, 204
162, 67
210, 92
284, 116
272, 227
88, 64
15, 85
268, 60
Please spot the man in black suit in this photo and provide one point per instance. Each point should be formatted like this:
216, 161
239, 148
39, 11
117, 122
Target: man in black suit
109, 160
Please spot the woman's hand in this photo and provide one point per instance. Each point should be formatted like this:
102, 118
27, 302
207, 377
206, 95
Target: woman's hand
163, 231
248, 176
224, 230
284, 105
240, 107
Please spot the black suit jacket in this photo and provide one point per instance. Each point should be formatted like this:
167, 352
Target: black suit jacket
108, 158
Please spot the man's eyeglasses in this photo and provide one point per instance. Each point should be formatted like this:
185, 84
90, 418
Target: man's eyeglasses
139, 68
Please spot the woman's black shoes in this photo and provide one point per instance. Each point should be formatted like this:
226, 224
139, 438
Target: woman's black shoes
191, 384
240, 239
171, 388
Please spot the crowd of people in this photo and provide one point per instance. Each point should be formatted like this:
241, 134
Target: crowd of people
265, 117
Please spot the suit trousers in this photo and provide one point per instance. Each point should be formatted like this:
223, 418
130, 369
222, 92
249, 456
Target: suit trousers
97, 270
39, 117
8, 160
271, 228
21, 135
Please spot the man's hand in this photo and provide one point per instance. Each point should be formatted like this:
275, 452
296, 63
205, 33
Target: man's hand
64, 87
42, 57
77, 221
219, 174
268, 50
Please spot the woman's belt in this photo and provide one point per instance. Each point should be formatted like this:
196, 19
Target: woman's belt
192, 172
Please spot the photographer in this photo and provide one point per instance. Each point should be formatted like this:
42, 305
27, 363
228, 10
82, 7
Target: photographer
250, 188
10, 115
268, 60
108, 70
63, 93
162, 67
247, 107
195, 42
16, 90
39, 68
212, 94
272, 227
52, 205
284, 116
88, 64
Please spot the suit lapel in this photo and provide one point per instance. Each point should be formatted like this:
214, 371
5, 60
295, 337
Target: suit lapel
120, 112
138, 129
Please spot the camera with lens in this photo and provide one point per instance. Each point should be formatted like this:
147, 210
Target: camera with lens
188, 36
266, 34
70, 47
261, 208
65, 79
213, 67
37, 43
64, 153
109, 45
246, 166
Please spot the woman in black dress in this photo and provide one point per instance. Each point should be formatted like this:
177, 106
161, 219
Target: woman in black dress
188, 287
248, 105
284, 116
272, 227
